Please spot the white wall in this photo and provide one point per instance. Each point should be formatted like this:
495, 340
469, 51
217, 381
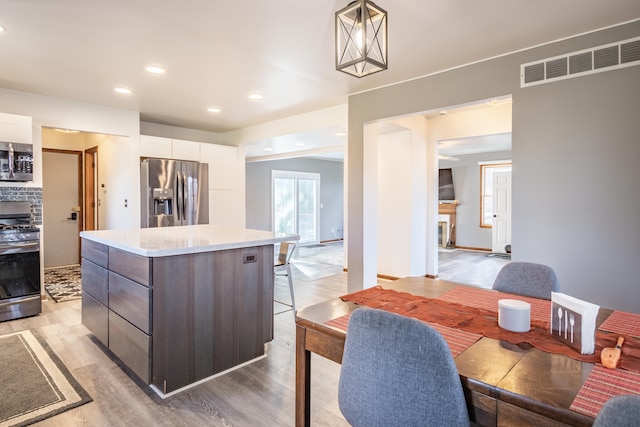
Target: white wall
114, 180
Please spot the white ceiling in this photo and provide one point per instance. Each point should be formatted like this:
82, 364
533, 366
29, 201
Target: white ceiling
218, 52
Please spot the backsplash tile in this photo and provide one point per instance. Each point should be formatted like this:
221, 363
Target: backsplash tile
31, 194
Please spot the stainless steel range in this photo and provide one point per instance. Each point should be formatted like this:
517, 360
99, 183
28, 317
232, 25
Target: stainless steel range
19, 262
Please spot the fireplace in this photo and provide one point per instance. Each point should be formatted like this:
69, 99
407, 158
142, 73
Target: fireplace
443, 233
447, 224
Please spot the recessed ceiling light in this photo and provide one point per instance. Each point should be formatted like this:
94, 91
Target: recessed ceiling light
299, 144
255, 97
123, 90
154, 69
213, 110
341, 134
66, 130
268, 149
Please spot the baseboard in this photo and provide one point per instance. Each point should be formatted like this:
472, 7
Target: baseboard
468, 248
331, 241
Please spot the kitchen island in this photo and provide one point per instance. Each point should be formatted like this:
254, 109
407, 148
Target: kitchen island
179, 305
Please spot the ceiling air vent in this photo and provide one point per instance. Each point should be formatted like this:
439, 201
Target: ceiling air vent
589, 61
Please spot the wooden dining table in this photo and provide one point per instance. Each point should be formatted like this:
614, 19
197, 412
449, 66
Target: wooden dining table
504, 384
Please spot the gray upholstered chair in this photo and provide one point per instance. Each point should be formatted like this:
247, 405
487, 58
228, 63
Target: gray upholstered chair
620, 411
283, 263
398, 371
527, 279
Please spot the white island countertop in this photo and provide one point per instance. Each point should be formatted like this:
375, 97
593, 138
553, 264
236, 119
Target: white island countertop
188, 239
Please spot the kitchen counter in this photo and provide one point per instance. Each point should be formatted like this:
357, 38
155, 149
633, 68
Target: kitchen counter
188, 239
180, 305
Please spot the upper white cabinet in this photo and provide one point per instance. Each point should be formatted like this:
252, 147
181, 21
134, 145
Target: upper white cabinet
166, 148
224, 166
15, 128
185, 150
154, 146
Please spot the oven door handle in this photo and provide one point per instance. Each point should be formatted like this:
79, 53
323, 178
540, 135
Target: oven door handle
18, 247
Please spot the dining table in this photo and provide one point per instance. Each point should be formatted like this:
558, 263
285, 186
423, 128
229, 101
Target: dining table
508, 378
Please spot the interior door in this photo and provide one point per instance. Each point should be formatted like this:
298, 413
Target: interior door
61, 201
501, 223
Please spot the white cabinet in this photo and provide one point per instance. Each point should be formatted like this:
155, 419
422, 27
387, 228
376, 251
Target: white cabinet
15, 128
185, 150
223, 166
165, 148
154, 146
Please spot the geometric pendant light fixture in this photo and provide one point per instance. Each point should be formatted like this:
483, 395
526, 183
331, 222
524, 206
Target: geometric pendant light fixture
361, 39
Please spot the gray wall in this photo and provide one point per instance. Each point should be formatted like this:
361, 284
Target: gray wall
576, 157
466, 184
258, 192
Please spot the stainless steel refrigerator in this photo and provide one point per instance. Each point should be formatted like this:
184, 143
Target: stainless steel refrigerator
174, 192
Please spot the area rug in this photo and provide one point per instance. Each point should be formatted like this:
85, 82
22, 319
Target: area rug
35, 383
63, 283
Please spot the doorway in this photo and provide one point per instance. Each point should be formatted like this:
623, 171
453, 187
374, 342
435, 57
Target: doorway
62, 201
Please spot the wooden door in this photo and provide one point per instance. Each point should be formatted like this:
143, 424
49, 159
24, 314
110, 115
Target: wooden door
90, 189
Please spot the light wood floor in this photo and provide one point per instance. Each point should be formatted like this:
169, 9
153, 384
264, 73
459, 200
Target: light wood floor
260, 394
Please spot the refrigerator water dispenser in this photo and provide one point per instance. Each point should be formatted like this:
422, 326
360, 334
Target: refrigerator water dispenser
162, 201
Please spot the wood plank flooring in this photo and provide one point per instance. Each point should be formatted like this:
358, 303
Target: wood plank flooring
260, 394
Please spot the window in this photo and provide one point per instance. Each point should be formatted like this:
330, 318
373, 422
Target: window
296, 198
486, 190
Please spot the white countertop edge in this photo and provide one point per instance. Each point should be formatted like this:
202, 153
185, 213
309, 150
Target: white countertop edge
169, 241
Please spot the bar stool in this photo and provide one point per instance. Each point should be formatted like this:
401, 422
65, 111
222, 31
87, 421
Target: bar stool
283, 264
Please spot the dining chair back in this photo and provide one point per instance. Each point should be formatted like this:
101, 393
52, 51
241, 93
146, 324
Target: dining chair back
283, 263
398, 371
527, 279
620, 411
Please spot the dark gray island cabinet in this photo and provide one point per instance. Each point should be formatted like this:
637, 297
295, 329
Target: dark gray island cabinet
177, 317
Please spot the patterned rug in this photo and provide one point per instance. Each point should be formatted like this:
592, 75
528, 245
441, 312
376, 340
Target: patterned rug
63, 283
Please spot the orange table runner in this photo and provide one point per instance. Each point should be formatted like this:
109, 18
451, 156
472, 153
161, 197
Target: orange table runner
488, 300
458, 340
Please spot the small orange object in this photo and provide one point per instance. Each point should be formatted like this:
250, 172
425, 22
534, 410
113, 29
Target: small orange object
611, 356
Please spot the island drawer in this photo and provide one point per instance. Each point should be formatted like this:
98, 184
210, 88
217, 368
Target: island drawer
95, 252
132, 266
130, 300
95, 281
95, 317
131, 345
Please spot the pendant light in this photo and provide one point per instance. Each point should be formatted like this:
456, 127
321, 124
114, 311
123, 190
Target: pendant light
361, 39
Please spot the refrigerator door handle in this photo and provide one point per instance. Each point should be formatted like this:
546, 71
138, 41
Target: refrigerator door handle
179, 196
184, 198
